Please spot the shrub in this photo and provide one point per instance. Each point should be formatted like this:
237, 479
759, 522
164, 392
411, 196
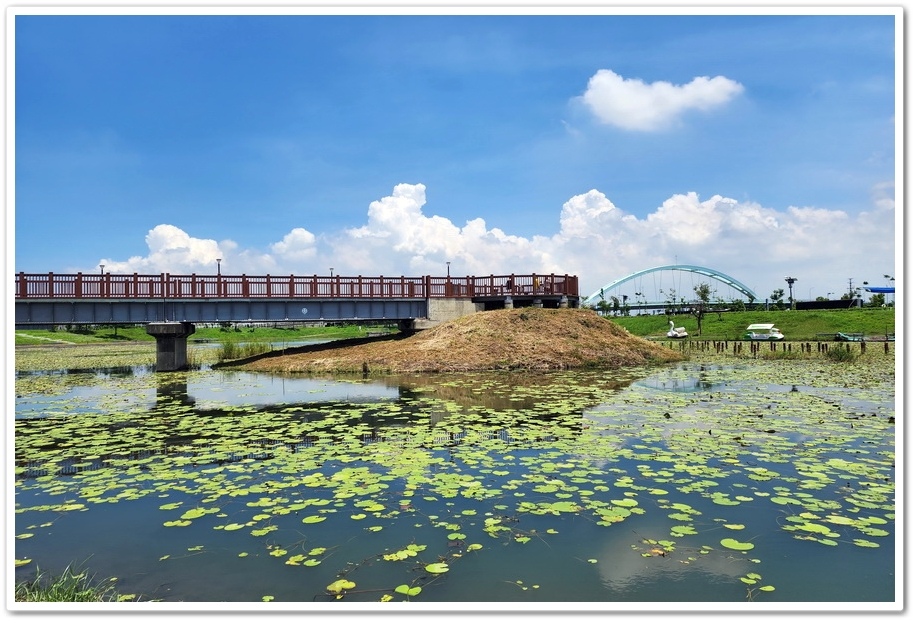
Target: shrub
840, 352
230, 349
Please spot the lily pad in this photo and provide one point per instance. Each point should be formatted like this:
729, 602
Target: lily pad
341, 585
736, 545
410, 591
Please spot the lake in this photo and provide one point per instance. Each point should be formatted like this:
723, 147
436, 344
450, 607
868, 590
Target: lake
746, 482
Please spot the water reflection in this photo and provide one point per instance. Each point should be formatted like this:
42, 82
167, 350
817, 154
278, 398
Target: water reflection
173, 389
685, 379
627, 563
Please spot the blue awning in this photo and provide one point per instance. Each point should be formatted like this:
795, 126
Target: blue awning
879, 290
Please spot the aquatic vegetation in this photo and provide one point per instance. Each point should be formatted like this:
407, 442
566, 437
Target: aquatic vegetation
466, 477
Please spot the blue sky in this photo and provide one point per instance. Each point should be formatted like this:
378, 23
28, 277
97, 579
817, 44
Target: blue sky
598, 145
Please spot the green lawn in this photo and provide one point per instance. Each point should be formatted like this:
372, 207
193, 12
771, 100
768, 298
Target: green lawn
111, 334
795, 325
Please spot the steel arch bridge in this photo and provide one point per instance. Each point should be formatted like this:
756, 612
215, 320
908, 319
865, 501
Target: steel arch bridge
731, 282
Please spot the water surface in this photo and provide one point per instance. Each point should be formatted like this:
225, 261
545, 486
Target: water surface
689, 483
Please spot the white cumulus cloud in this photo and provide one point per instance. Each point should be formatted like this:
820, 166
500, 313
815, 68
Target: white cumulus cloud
298, 244
592, 239
632, 104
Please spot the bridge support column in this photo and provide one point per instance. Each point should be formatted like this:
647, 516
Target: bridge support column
564, 302
508, 304
171, 344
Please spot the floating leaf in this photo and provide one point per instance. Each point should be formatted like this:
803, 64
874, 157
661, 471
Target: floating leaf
437, 567
341, 585
233, 526
737, 545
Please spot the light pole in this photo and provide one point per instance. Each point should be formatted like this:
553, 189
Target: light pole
790, 281
332, 272
218, 260
101, 269
448, 269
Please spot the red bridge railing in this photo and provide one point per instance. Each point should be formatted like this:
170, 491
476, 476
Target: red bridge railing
166, 285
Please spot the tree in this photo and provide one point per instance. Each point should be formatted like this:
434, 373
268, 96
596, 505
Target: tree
699, 308
876, 300
777, 295
670, 300
602, 305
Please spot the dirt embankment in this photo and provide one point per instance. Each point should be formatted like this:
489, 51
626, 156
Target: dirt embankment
510, 339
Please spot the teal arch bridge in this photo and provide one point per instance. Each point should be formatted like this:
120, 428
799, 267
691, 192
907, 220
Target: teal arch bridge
652, 288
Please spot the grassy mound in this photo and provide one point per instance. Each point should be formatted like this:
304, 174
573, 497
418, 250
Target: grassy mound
509, 339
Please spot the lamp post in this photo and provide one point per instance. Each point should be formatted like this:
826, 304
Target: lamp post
790, 281
332, 272
218, 260
101, 269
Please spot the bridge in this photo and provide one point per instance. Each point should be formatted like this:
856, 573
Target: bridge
170, 304
645, 289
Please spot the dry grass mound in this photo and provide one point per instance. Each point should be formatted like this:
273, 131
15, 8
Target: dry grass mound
510, 339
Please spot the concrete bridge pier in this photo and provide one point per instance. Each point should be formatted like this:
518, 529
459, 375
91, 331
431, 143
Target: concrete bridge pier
171, 344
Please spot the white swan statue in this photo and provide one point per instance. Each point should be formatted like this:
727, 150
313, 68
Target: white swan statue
676, 332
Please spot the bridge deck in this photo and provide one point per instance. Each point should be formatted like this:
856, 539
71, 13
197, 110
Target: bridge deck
165, 285
111, 298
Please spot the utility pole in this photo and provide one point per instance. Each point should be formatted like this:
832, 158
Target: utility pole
790, 281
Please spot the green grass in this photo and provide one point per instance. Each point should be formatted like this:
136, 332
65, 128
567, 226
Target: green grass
110, 334
231, 349
70, 586
795, 325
